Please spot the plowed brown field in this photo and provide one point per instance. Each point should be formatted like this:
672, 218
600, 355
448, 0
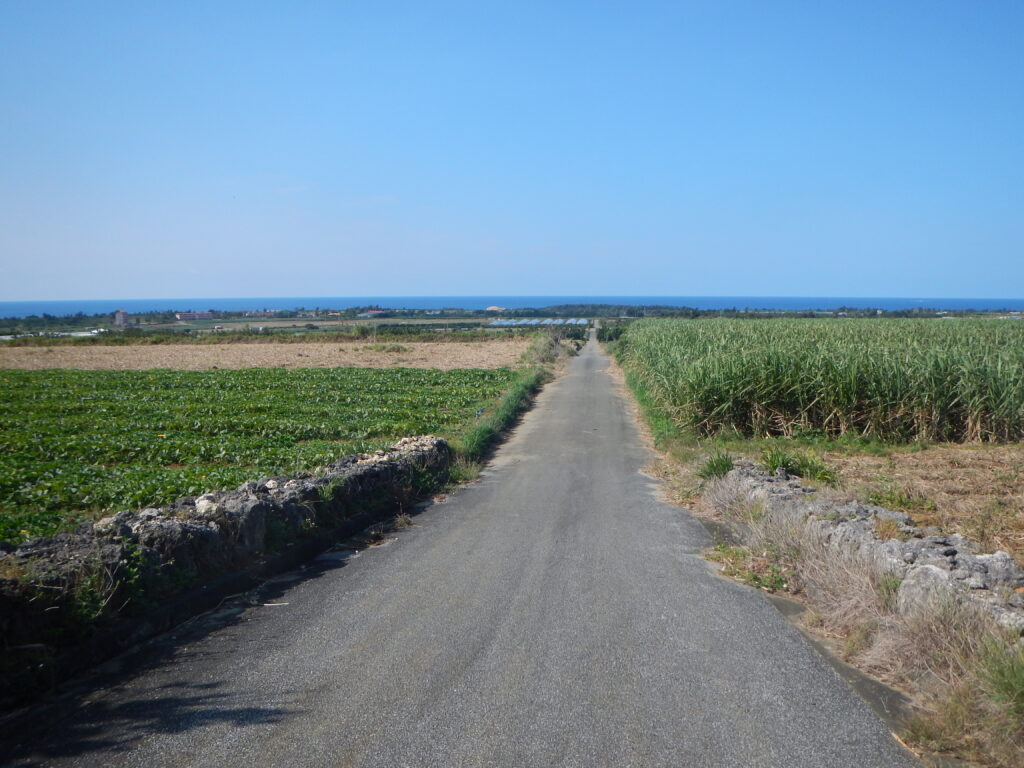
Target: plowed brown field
495, 354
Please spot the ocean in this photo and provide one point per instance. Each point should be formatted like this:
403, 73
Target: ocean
135, 306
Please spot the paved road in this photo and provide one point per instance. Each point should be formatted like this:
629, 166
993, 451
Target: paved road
553, 614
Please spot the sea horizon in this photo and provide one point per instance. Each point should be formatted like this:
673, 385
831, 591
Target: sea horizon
260, 303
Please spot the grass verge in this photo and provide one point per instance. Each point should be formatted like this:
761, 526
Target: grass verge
538, 361
474, 444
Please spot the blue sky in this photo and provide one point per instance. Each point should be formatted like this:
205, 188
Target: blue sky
410, 148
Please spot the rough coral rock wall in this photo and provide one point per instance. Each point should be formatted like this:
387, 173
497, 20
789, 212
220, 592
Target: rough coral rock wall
56, 591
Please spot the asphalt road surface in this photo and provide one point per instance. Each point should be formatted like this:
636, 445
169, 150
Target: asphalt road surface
555, 613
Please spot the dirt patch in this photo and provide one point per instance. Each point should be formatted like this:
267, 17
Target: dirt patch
974, 490
487, 354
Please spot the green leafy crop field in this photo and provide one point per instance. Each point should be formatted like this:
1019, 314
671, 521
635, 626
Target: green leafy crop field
74, 442
893, 380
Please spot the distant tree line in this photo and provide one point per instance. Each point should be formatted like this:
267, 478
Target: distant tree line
46, 323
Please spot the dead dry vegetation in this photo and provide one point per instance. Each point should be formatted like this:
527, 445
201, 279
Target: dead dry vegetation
964, 674
445, 356
975, 490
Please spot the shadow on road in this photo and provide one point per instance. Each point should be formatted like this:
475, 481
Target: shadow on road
172, 708
73, 721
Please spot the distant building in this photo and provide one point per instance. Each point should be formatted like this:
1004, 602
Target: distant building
372, 313
193, 315
495, 308
120, 318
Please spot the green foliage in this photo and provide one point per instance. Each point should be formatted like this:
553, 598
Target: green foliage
1002, 674
775, 458
663, 428
892, 380
478, 439
78, 441
276, 534
717, 464
463, 470
888, 586
798, 463
895, 497
760, 571
611, 330
814, 467
91, 593
328, 491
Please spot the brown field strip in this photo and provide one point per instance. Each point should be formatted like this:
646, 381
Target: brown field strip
487, 354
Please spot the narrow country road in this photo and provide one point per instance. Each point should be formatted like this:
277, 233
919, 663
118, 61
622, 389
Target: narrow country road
556, 613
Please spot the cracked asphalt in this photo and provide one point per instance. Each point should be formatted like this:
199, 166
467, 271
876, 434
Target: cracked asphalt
555, 613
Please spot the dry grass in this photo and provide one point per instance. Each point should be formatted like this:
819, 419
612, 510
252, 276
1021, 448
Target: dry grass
731, 498
975, 490
965, 676
486, 354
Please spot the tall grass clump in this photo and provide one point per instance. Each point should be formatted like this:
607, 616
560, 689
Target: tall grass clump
888, 379
799, 463
717, 464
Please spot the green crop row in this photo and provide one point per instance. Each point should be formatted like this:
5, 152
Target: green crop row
894, 380
76, 442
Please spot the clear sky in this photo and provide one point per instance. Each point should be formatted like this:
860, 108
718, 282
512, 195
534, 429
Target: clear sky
438, 148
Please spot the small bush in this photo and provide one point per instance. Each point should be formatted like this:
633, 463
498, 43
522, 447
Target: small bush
328, 491
814, 468
773, 459
732, 498
717, 464
805, 465
858, 639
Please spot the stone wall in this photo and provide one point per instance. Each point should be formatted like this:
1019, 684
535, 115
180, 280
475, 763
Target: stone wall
58, 595
931, 565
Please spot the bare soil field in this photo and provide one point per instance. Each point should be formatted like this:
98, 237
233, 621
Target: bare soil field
493, 354
973, 489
